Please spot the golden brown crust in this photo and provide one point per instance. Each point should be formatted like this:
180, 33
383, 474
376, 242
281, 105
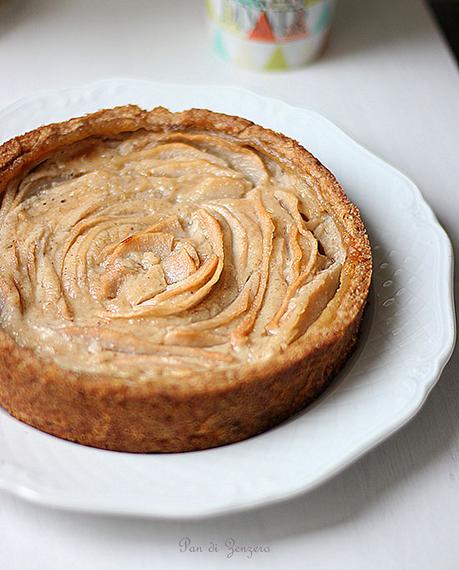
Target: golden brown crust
213, 408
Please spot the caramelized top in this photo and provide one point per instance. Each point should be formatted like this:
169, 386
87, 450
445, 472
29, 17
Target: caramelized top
161, 254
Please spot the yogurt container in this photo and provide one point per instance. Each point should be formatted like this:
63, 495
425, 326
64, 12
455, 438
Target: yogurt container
269, 35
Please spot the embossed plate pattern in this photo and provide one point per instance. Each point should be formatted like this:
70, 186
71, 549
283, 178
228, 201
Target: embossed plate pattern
383, 385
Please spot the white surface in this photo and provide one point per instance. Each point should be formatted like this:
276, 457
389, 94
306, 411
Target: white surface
386, 79
384, 384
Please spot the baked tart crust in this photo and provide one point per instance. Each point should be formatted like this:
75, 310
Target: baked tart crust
226, 307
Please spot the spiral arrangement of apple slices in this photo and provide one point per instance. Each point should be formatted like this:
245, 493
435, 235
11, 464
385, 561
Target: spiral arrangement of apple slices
166, 253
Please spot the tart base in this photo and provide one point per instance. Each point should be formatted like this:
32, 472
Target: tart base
108, 415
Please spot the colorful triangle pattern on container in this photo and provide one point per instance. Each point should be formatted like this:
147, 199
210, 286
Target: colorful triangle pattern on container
297, 28
324, 18
262, 31
210, 9
219, 45
276, 61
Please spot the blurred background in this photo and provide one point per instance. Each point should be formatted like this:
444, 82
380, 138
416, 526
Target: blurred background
447, 15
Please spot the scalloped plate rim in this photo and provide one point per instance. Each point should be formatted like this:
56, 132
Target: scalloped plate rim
73, 502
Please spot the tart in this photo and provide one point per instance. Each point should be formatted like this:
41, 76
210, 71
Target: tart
171, 281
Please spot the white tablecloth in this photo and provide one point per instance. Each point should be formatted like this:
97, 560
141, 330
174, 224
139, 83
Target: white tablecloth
387, 79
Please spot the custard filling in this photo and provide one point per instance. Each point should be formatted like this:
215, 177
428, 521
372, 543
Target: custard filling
168, 253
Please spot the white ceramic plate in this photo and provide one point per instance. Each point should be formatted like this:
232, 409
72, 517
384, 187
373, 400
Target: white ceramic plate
407, 339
